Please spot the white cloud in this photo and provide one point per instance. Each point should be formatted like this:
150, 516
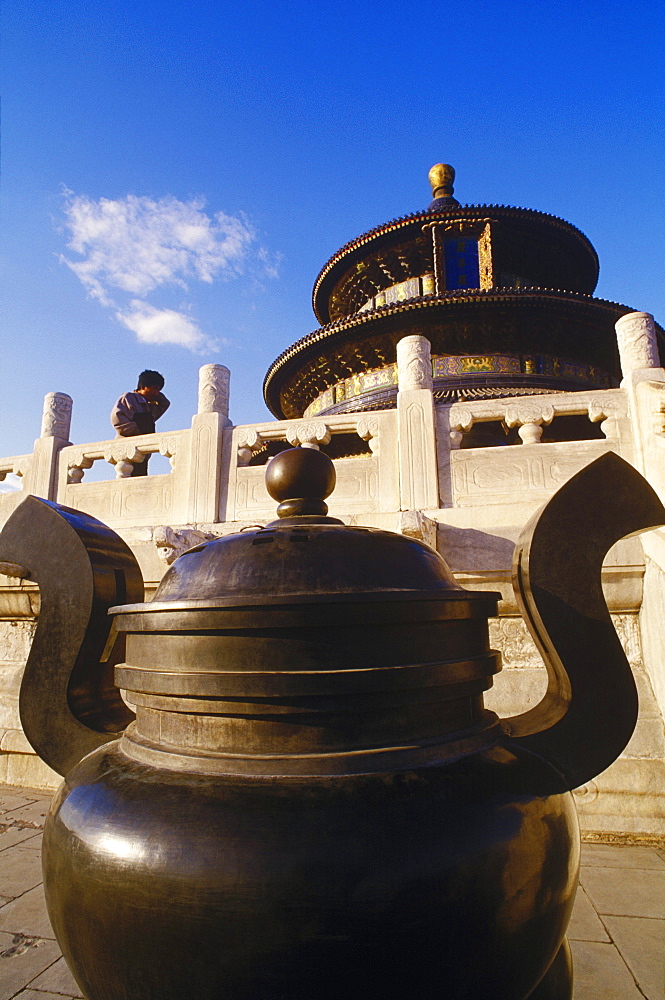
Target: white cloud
133, 246
138, 244
163, 326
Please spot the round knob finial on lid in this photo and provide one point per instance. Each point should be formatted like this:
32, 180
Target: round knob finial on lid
301, 479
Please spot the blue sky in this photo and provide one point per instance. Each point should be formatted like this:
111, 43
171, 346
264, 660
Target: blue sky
174, 175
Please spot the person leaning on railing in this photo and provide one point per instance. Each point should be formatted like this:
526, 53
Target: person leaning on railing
136, 412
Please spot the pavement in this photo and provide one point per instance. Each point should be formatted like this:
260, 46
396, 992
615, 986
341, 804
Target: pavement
617, 931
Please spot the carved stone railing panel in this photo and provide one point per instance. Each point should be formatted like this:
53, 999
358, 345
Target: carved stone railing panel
16, 465
363, 482
531, 413
15, 640
529, 416
250, 439
122, 453
523, 680
132, 501
653, 394
482, 476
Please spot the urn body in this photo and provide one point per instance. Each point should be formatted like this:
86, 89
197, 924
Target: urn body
454, 879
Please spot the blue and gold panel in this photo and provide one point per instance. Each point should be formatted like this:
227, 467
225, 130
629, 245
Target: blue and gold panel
456, 367
472, 364
461, 261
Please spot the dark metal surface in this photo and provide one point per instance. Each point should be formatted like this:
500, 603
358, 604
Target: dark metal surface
590, 709
69, 703
452, 881
301, 479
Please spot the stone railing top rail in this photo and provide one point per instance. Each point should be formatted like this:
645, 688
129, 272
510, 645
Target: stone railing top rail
309, 433
337, 423
121, 452
14, 464
598, 405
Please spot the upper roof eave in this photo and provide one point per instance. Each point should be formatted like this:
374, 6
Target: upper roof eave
386, 233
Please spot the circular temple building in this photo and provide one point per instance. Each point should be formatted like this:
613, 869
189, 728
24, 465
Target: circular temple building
504, 295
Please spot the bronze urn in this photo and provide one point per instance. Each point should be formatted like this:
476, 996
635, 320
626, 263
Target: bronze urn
312, 800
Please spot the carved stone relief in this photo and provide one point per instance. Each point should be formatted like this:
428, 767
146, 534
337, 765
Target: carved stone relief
15, 639
415, 524
57, 415
214, 382
511, 637
367, 429
628, 630
311, 434
414, 363
636, 337
172, 542
501, 476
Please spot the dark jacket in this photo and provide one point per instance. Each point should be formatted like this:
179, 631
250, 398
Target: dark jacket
133, 414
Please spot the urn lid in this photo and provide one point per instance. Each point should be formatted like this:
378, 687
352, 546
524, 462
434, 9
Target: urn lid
305, 555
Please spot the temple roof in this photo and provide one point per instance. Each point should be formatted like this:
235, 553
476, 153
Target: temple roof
557, 254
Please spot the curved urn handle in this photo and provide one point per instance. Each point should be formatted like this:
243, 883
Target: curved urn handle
68, 703
589, 711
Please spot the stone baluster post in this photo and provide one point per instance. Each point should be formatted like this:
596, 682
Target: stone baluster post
643, 382
419, 488
309, 434
530, 418
42, 477
638, 348
207, 441
214, 382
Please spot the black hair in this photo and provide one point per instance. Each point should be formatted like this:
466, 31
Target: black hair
150, 378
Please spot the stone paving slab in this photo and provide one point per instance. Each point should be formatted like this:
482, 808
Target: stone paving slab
27, 915
585, 924
11, 835
13, 800
613, 856
22, 959
19, 871
31, 815
601, 974
34, 995
33, 844
57, 979
625, 892
641, 942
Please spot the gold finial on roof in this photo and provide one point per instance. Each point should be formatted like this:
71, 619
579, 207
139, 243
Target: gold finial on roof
441, 177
